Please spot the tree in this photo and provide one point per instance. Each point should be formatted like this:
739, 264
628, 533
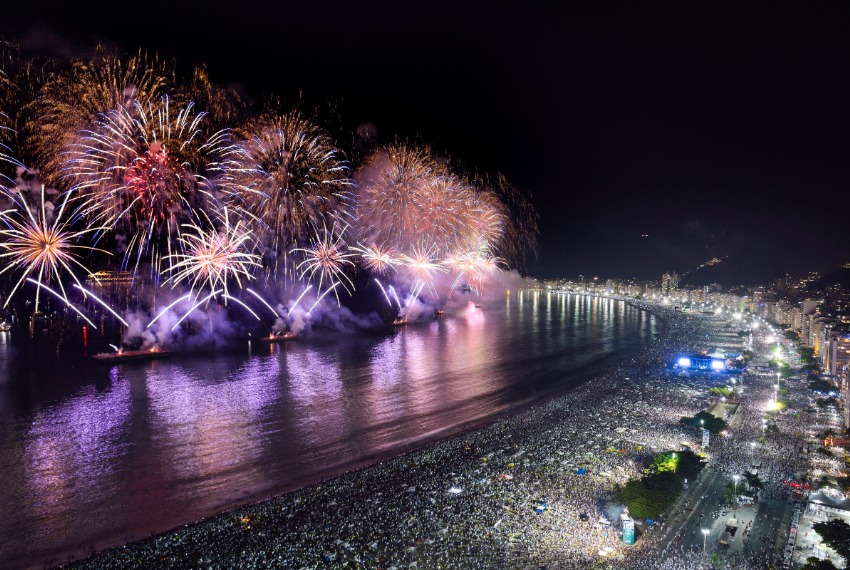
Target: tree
655, 492
806, 353
722, 392
818, 385
705, 420
813, 563
753, 482
836, 535
665, 462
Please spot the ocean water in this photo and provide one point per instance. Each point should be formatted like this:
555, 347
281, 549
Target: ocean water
94, 456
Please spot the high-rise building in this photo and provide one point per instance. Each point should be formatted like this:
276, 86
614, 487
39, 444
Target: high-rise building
669, 283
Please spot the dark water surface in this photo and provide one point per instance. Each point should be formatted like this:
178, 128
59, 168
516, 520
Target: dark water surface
94, 456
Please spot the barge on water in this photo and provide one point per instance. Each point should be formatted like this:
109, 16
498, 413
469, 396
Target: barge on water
288, 335
125, 355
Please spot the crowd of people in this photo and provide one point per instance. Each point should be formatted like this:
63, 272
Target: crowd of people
532, 490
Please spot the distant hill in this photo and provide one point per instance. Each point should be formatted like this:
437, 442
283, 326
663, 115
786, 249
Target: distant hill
748, 266
839, 276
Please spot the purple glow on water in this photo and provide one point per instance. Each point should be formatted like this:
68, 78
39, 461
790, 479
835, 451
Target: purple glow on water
92, 456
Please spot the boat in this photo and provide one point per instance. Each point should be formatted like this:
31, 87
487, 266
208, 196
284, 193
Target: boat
288, 335
399, 321
125, 355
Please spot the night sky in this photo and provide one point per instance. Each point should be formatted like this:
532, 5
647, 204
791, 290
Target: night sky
711, 128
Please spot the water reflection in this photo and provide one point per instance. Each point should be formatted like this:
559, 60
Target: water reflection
153, 445
70, 451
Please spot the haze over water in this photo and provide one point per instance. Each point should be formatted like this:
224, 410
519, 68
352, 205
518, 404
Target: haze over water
93, 455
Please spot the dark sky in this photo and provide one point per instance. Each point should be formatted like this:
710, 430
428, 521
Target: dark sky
710, 127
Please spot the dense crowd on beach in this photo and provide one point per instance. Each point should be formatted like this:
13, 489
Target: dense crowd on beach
531, 490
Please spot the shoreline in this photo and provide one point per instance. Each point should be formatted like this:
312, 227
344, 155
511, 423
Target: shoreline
470, 432
576, 378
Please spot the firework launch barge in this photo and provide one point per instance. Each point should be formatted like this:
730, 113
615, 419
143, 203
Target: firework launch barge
126, 355
288, 335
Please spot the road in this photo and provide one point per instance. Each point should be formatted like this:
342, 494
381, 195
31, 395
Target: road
759, 530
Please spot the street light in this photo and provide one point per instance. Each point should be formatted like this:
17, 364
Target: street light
735, 498
705, 532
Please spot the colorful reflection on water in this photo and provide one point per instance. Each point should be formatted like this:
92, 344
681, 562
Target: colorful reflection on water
98, 456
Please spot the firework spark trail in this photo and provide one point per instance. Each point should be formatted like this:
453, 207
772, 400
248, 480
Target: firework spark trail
115, 347
102, 302
247, 308
5, 152
454, 285
37, 246
62, 298
395, 296
263, 301
322, 296
213, 257
328, 258
520, 221
414, 293
298, 299
472, 266
422, 266
387, 297
195, 306
162, 312
377, 259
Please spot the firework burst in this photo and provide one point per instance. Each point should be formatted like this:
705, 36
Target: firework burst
472, 266
519, 220
443, 206
39, 246
377, 259
422, 265
328, 258
141, 171
389, 197
72, 100
405, 194
290, 178
147, 174
213, 257
224, 105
